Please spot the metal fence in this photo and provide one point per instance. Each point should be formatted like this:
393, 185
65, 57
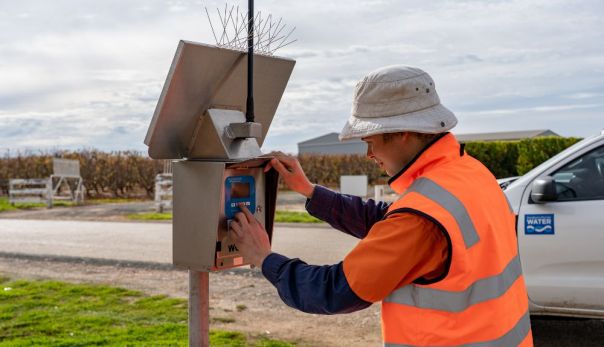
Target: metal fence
64, 184
37, 190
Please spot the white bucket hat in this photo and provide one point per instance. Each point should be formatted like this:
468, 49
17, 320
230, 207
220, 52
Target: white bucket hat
396, 99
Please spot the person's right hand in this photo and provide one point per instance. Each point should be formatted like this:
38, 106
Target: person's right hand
290, 169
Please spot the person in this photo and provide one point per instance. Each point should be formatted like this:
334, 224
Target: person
442, 260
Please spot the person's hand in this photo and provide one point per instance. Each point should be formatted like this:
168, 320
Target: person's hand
289, 168
250, 237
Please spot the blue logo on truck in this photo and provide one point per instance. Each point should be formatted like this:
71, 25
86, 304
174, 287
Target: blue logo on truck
539, 224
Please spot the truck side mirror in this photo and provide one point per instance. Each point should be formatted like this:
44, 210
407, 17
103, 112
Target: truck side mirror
544, 190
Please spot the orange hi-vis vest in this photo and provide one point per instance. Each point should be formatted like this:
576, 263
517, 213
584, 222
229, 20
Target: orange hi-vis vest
481, 299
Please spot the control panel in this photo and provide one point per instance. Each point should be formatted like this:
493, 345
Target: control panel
239, 189
207, 196
239, 186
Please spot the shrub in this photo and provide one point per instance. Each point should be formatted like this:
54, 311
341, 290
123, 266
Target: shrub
327, 169
116, 174
499, 156
535, 151
132, 174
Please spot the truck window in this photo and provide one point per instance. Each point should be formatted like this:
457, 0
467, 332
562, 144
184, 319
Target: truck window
583, 178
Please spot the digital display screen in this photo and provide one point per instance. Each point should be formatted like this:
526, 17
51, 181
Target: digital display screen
240, 190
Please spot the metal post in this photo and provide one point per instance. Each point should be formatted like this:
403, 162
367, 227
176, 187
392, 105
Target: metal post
199, 309
249, 113
49, 192
158, 205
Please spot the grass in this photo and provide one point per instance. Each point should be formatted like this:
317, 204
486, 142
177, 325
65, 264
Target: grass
6, 206
295, 217
280, 217
49, 313
150, 216
111, 201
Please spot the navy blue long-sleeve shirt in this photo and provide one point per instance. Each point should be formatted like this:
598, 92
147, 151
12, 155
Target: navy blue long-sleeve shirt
347, 213
324, 289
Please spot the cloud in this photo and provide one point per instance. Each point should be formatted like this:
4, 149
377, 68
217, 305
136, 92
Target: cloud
531, 110
88, 74
584, 95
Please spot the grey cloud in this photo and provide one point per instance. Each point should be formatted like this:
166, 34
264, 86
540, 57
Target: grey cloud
465, 59
92, 71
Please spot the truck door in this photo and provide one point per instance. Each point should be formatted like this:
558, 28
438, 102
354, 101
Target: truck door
562, 242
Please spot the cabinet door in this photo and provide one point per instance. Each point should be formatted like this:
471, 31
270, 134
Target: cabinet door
562, 242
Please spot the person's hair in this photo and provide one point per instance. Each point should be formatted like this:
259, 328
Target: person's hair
425, 138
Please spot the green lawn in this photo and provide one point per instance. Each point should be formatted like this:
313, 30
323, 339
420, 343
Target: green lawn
280, 217
295, 217
112, 201
5, 206
150, 216
48, 313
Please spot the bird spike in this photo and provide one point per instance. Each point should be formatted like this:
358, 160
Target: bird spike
229, 29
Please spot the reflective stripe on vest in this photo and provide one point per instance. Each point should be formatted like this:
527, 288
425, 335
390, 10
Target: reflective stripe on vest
481, 300
442, 300
512, 338
449, 202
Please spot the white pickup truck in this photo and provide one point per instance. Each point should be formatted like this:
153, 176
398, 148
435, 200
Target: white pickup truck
560, 224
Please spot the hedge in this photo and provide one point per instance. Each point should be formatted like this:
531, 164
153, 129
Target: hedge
500, 157
534, 152
116, 174
515, 158
130, 173
503, 158
327, 169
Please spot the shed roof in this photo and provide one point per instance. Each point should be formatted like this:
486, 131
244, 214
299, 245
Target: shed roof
505, 135
327, 138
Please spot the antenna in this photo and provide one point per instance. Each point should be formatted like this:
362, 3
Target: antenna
249, 110
264, 36
268, 33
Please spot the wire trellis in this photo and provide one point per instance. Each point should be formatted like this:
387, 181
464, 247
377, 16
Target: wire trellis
231, 31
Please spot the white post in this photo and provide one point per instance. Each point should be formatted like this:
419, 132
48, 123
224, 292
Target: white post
80, 192
199, 309
158, 203
49, 192
378, 192
11, 188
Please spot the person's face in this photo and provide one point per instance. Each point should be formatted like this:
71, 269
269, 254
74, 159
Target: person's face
391, 155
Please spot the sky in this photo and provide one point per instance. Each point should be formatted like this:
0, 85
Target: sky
80, 74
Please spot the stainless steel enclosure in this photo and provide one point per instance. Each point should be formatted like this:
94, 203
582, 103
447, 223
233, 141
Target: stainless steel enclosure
201, 239
200, 122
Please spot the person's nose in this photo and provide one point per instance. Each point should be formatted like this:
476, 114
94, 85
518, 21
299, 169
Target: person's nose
369, 152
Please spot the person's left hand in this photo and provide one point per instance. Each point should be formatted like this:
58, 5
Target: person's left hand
250, 237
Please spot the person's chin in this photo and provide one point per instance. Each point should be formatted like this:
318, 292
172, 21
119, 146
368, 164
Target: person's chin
392, 172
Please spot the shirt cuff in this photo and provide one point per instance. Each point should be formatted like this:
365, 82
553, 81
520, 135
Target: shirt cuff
320, 203
271, 266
